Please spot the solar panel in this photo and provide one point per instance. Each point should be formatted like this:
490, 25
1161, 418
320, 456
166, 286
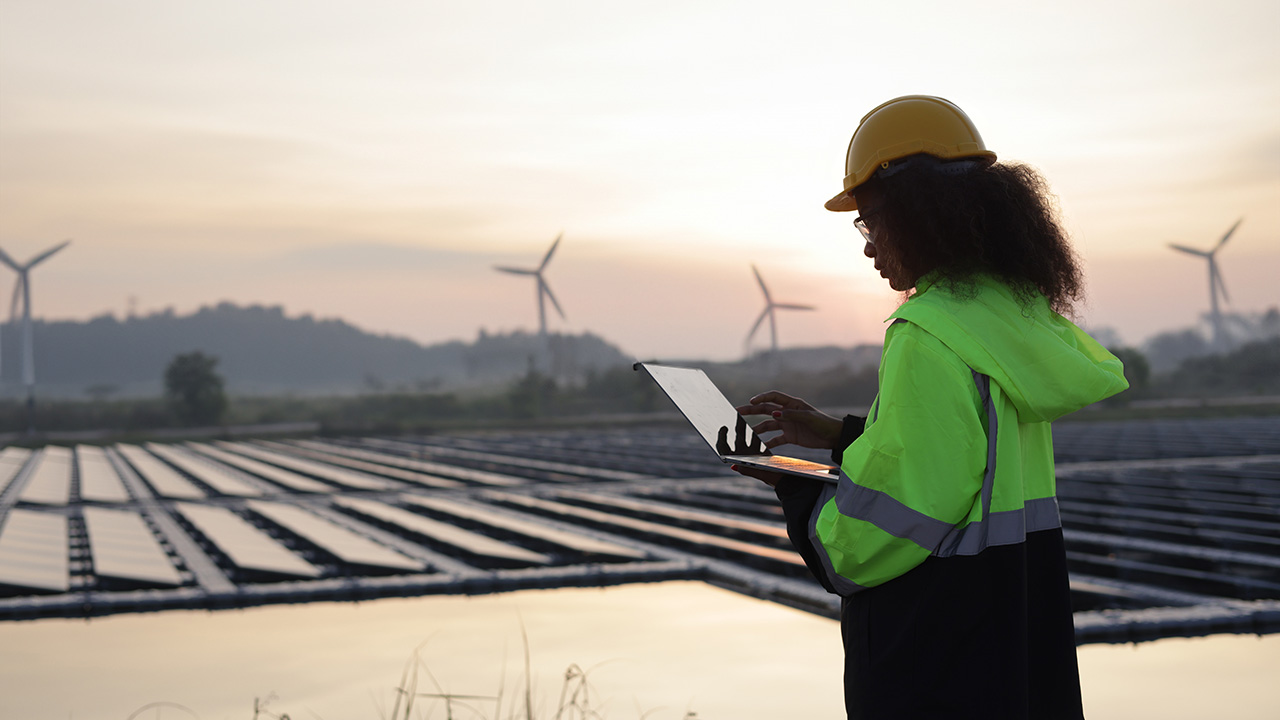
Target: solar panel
166, 481
344, 544
341, 476
98, 479
216, 476
247, 547
451, 471
348, 457
280, 476
493, 453
34, 551
50, 482
471, 542
123, 548
11, 461
521, 526
653, 529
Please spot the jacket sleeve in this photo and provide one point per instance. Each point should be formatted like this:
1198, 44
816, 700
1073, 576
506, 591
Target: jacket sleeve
915, 472
799, 497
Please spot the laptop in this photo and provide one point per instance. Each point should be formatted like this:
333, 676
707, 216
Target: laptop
727, 432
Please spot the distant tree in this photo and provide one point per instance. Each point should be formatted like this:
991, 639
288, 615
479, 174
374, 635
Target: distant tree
531, 396
1252, 369
193, 389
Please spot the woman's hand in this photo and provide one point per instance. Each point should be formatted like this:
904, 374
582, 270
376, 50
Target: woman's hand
801, 424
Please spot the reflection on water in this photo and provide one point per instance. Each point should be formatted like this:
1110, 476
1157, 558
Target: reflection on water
663, 649
1221, 676
672, 648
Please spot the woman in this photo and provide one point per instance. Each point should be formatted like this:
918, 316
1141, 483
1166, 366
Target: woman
942, 534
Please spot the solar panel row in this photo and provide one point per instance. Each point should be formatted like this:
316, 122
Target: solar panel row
284, 478
222, 479
404, 510
245, 546
339, 476
376, 464
342, 543
163, 479
443, 533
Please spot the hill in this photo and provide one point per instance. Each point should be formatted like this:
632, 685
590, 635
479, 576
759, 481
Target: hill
262, 351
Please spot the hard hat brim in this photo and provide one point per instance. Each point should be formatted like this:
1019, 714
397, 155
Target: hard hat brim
844, 202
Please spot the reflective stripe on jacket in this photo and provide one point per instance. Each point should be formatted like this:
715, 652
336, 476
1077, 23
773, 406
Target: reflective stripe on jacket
957, 453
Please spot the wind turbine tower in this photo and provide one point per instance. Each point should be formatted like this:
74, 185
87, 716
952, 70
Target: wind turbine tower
544, 290
769, 307
22, 295
1216, 285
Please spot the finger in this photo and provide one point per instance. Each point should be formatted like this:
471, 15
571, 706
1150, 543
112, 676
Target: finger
767, 426
774, 442
758, 409
773, 396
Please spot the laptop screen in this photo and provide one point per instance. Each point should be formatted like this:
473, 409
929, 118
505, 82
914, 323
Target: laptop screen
701, 401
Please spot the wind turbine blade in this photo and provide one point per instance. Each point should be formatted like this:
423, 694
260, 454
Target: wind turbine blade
763, 287
550, 252
1186, 249
1226, 237
1222, 286
756, 327
42, 256
515, 271
4, 258
789, 306
550, 295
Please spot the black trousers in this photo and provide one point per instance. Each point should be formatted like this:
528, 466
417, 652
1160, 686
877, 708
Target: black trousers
988, 636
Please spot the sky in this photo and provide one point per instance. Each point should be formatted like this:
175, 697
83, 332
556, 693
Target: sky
374, 161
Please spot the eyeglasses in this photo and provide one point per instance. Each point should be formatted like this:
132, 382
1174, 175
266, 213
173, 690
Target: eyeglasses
860, 222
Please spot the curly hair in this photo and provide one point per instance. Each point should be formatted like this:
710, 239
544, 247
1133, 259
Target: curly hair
957, 220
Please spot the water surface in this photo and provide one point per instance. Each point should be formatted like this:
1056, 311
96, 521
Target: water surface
657, 651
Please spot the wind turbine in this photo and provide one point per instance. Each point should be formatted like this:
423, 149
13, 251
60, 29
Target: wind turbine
544, 290
22, 294
769, 307
1216, 284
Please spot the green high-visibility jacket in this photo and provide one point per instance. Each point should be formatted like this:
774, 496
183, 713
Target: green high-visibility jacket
957, 453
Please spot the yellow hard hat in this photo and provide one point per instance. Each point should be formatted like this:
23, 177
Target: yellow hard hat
905, 126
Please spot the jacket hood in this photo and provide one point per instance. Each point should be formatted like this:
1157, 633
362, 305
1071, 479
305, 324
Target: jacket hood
1045, 365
